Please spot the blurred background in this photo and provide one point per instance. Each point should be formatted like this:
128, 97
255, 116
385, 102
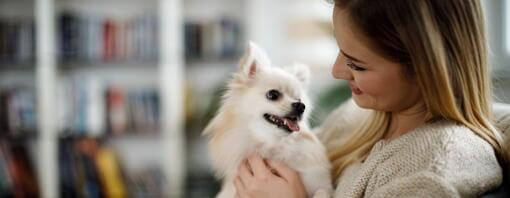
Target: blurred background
107, 98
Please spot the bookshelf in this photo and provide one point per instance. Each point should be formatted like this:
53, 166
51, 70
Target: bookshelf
18, 109
86, 55
137, 79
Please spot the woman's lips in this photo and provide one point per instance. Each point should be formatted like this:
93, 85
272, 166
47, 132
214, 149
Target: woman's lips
356, 90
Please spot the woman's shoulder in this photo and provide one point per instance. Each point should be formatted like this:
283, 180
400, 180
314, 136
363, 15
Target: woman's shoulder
450, 139
450, 142
453, 152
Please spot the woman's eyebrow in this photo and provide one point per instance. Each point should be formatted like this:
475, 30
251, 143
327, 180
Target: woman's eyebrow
352, 58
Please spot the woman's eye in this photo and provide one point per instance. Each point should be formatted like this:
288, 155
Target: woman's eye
273, 94
353, 66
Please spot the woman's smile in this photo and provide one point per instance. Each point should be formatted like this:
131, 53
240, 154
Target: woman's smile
355, 90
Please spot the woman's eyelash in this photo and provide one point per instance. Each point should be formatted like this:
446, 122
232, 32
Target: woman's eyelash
353, 66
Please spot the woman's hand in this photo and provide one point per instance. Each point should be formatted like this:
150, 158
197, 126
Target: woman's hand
257, 179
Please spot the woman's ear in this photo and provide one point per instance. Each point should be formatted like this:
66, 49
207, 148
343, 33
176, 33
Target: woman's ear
254, 61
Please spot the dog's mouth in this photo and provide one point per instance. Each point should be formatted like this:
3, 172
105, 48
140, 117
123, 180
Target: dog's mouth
288, 123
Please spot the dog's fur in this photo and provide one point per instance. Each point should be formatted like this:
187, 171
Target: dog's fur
240, 126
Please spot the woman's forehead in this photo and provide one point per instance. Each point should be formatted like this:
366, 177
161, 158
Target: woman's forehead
352, 41
347, 40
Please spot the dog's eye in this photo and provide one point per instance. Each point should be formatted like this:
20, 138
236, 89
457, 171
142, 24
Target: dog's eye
273, 94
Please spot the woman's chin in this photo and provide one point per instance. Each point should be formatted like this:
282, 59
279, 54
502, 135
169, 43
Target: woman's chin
362, 102
359, 102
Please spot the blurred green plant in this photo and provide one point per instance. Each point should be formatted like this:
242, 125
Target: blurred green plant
328, 101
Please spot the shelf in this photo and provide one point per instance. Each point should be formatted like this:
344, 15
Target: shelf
153, 135
217, 63
5, 67
27, 136
123, 8
126, 76
113, 65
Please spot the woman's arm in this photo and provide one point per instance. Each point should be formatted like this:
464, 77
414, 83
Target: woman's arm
422, 184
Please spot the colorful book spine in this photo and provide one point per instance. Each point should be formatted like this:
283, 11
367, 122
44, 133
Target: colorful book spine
117, 112
110, 173
18, 117
17, 172
88, 168
213, 40
91, 108
92, 38
17, 41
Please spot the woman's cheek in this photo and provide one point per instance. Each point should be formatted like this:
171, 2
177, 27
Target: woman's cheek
363, 83
371, 85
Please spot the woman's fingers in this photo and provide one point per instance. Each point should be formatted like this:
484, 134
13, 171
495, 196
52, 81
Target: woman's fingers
258, 166
244, 173
240, 189
282, 170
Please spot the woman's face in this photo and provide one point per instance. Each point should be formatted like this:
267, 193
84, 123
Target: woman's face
376, 83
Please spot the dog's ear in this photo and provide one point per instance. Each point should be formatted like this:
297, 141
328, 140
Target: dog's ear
255, 60
301, 71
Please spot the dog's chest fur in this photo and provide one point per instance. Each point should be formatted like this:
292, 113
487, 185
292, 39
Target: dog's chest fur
297, 150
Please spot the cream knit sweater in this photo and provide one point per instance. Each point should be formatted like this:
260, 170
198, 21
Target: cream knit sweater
439, 159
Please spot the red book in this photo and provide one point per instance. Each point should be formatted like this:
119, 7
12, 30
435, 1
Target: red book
109, 40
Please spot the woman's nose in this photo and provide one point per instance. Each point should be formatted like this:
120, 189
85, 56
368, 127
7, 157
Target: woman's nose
340, 70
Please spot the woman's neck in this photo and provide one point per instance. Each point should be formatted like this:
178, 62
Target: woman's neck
406, 120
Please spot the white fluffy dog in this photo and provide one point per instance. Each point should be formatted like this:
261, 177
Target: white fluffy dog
264, 111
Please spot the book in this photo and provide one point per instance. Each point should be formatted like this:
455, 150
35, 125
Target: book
89, 107
117, 113
18, 117
22, 173
212, 39
17, 173
70, 35
93, 39
110, 173
109, 29
17, 40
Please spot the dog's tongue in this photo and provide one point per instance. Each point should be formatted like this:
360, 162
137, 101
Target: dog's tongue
293, 126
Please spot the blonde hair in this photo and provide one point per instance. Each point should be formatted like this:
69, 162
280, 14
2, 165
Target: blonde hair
439, 43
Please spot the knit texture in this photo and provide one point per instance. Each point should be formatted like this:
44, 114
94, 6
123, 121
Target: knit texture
440, 159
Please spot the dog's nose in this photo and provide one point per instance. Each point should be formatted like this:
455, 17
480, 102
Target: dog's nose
298, 107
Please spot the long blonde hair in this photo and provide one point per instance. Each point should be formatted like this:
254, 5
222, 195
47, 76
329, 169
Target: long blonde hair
439, 43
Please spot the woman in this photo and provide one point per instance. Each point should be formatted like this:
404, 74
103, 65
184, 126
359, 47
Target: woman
420, 68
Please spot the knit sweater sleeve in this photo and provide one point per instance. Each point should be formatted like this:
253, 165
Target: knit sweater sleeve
420, 184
